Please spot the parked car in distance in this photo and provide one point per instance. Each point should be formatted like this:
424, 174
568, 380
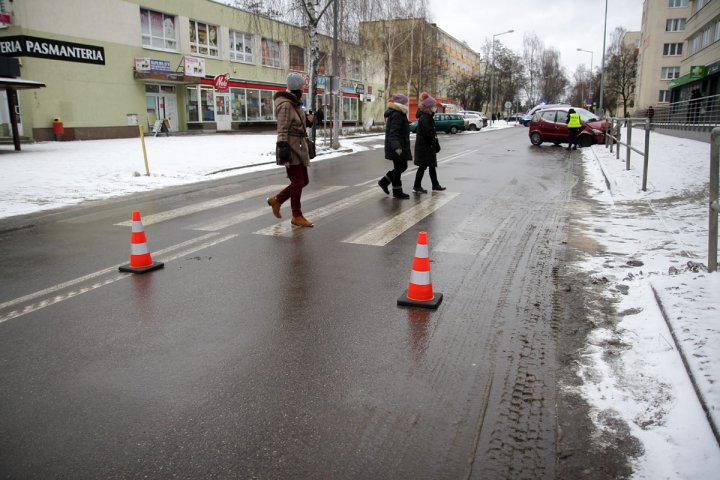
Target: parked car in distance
550, 125
474, 121
480, 114
515, 117
445, 122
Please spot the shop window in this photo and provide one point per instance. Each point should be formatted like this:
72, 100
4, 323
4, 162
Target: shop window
266, 103
237, 104
192, 105
349, 109
253, 105
297, 58
152, 88
207, 107
158, 30
203, 39
241, 47
270, 53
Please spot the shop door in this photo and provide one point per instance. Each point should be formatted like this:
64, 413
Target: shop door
223, 116
169, 110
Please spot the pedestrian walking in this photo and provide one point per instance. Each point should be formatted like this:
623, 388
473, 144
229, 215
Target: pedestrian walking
427, 145
573, 123
694, 109
292, 149
397, 144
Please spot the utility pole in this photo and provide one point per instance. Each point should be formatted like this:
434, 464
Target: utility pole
335, 87
602, 69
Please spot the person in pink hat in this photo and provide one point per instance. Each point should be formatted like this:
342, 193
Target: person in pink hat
426, 143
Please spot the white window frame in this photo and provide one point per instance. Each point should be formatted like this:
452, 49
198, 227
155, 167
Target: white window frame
196, 45
248, 40
150, 36
305, 62
275, 63
675, 24
671, 49
664, 96
669, 73
677, 3
698, 5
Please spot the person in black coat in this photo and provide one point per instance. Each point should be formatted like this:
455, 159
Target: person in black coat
426, 144
397, 144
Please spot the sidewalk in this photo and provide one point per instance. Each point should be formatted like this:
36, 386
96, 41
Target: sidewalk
654, 247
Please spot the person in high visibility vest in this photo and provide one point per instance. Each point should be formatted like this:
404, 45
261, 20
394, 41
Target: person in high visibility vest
573, 123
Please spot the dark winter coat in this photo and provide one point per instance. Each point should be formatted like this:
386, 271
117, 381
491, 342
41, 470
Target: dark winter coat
292, 144
426, 142
397, 132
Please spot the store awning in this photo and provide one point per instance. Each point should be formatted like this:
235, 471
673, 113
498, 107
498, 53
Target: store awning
695, 74
19, 83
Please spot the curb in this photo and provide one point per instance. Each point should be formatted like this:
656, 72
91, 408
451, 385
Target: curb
698, 392
607, 180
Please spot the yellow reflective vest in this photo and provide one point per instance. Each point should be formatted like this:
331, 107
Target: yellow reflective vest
574, 121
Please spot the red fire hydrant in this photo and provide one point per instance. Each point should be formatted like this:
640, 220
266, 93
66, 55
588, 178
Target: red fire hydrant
58, 128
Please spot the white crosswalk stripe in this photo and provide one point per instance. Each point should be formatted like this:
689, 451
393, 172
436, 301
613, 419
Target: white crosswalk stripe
384, 231
285, 228
231, 220
412, 170
202, 206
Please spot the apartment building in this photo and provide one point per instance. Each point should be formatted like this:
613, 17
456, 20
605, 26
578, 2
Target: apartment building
114, 64
438, 59
700, 65
662, 47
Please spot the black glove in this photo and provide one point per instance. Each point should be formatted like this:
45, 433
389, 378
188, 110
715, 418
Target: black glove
437, 146
282, 153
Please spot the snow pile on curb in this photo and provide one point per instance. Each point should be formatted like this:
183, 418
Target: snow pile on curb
654, 241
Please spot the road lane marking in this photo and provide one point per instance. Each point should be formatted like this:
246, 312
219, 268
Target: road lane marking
413, 169
160, 255
384, 231
242, 217
285, 228
201, 206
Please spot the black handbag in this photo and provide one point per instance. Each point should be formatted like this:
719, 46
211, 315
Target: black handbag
311, 148
437, 145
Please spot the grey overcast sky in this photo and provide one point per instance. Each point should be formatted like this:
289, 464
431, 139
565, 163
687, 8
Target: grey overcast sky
563, 24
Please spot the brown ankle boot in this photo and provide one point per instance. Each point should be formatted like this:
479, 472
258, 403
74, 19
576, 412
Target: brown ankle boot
301, 222
273, 202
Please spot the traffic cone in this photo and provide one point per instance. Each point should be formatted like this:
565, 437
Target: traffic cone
420, 291
140, 259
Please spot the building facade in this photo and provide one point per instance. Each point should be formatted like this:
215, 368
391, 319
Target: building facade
700, 65
200, 65
662, 47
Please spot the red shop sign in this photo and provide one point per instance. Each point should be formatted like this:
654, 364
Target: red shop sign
221, 82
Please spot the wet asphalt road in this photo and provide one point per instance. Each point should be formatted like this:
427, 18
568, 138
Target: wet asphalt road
261, 351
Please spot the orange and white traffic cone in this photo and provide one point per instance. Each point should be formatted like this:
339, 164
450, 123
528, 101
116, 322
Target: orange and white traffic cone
420, 291
140, 259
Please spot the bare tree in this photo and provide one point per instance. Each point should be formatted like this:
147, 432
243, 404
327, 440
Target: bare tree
621, 72
553, 81
533, 49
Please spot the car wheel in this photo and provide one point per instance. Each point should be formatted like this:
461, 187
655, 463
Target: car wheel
536, 138
453, 129
584, 141
473, 128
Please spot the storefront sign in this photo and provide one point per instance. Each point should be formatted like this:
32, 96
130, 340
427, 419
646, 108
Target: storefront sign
360, 88
5, 18
321, 81
150, 65
697, 71
194, 67
352, 87
26, 46
220, 82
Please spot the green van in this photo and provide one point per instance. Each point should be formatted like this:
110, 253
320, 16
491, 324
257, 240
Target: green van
445, 122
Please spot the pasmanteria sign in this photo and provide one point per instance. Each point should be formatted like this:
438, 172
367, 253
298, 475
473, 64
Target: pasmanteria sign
26, 46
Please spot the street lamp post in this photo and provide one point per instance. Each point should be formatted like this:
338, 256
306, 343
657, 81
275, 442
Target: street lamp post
591, 72
601, 111
492, 73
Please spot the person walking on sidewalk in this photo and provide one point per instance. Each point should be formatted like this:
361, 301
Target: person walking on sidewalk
426, 143
292, 148
573, 123
397, 144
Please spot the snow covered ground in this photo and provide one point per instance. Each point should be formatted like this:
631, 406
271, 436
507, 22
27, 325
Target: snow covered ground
655, 245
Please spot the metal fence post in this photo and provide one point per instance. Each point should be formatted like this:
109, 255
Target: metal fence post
607, 140
629, 143
646, 155
612, 132
617, 141
714, 174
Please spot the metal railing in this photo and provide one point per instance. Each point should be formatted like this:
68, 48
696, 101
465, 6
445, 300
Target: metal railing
614, 134
696, 114
713, 200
